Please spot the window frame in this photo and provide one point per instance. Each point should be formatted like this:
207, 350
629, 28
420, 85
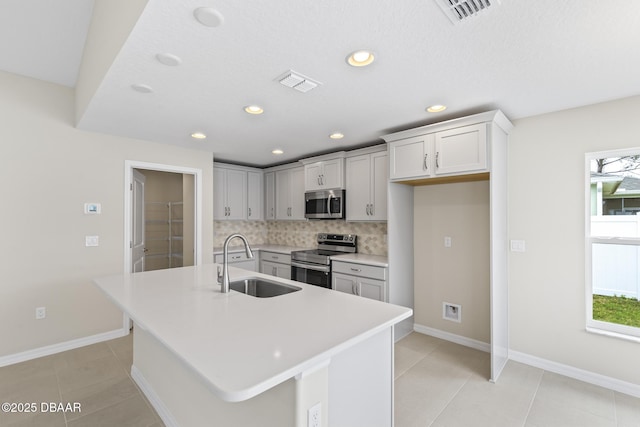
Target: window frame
630, 333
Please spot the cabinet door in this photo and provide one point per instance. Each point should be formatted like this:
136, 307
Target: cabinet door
332, 174
379, 183
371, 288
358, 188
283, 192
461, 150
254, 196
267, 267
270, 195
283, 271
296, 201
343, 283
411, 157
219, 193
236, 194
312, 177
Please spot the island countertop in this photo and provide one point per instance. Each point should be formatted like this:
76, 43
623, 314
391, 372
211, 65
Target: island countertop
238, 344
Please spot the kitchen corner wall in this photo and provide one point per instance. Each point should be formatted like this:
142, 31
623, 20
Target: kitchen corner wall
372, 236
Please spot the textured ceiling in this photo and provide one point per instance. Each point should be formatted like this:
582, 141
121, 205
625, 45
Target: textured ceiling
525, 58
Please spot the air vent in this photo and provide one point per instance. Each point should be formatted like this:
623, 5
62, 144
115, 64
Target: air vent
297, 81
461, 10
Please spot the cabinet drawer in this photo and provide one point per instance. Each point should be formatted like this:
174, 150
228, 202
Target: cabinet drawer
360, 270
275, 257
232, 257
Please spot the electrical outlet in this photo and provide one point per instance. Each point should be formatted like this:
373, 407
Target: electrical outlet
91, 241
447, 242
41, 313
314, 414
452, 312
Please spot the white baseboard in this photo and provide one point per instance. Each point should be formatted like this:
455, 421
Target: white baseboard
537, 362
576, 373
60, 347
149, 392
447, 336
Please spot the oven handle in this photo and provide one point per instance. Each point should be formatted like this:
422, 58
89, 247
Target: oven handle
323, 268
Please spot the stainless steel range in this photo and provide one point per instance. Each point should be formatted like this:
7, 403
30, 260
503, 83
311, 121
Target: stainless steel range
314, 266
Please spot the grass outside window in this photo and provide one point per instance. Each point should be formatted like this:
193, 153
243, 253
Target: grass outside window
617, 309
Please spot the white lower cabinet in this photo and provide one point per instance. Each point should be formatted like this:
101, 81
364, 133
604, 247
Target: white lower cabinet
239, 260
275, 264
360, 279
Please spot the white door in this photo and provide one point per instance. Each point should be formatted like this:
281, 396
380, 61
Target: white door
137, 221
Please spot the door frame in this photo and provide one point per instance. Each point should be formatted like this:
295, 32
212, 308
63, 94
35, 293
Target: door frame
129, 166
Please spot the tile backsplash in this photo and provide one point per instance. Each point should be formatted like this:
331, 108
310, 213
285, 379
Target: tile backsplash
372, 236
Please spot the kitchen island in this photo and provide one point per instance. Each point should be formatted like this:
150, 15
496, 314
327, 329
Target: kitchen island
203, 357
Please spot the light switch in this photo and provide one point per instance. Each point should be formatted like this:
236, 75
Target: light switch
447, 242
91, 241
517, 246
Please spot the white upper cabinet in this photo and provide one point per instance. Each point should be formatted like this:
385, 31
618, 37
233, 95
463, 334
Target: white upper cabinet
289, 189
456, 147
461, 150
323, 173
255, 202
230, 194
411, 157
270, 196
237, 193
366, 185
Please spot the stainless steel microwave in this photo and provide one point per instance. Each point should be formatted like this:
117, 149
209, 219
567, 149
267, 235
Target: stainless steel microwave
324, 204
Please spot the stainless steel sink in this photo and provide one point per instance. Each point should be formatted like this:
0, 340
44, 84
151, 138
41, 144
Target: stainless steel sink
261, 288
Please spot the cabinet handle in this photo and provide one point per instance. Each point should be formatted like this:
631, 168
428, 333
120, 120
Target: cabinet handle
368, 209
322, 179
353, 288
274, 257
355, 269
437, 157
249, 211
236, 257
274, 271
371, 210
424, 164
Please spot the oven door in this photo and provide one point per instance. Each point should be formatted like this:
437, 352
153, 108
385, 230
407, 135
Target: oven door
312, 274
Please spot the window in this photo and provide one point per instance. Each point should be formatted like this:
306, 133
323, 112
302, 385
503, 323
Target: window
613, 243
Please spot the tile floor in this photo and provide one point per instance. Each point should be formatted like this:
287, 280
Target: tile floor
437, 384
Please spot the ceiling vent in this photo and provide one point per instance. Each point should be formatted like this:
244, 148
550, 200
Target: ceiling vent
297, 81
461, 10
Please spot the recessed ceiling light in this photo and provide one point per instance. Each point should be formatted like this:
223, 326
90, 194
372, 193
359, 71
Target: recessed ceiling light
138, 87
253, 109
168, 59
360, 58
208, 16
436, 108
198, 135
277, 152
336, 135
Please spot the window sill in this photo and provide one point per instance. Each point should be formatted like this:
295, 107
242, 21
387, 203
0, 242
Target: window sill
612, 334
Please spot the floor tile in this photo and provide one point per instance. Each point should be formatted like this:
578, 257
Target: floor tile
578, 395
132, 412
80, 356
101, 395
30, 389
404, 359
627, 410
483, 403
90, 373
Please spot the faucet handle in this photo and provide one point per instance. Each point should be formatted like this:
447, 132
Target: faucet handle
219, 275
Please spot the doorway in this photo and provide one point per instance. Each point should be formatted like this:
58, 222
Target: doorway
162, 216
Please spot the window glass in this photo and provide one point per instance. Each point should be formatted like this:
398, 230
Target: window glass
613, 242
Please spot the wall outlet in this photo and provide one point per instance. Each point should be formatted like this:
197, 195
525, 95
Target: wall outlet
518, 246
41, 313
91, 241
447, 242
452, 312
314, 415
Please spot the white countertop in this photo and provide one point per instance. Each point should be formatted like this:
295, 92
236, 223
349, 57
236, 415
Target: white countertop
376, 260
281, 249
242, 345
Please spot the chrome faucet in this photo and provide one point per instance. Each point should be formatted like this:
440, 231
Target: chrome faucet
223, 278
